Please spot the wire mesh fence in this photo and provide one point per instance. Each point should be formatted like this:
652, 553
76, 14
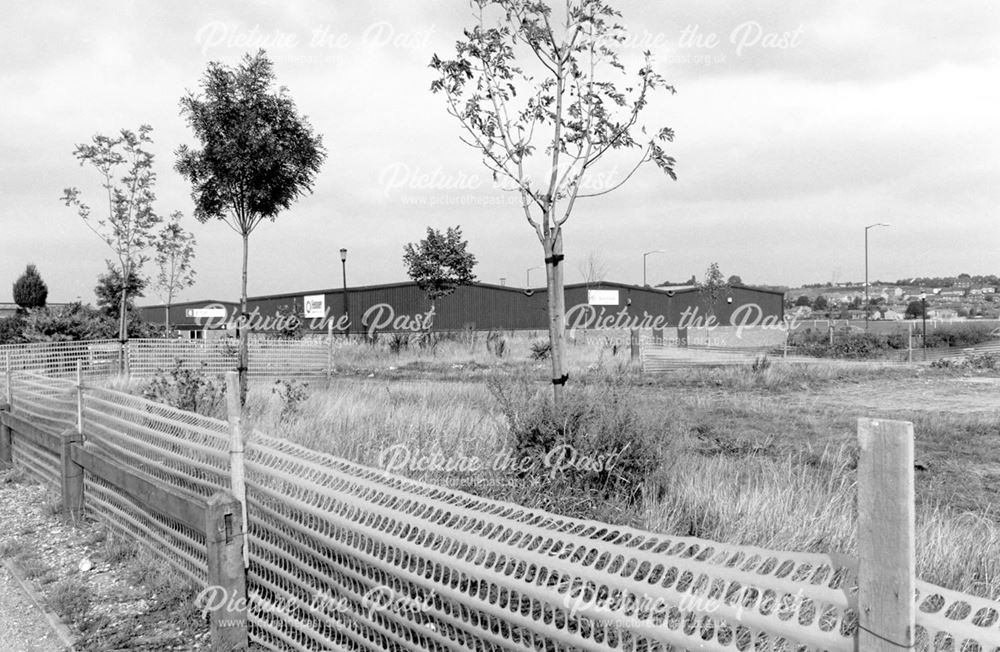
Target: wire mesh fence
348, 557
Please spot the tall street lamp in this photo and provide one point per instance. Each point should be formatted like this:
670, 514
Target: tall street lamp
655, 251
343, 267
867, 307
527, 276
923, 313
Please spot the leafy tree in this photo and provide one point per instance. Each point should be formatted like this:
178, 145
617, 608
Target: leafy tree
713, 287
257, 156
820, 303
855, 303
538, 97
734, 280
109, 290
803, 300
914, 309
128, 228
30, 290
440, 262
174, 253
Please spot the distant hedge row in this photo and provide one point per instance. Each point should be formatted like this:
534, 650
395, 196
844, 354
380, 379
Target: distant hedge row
851, 344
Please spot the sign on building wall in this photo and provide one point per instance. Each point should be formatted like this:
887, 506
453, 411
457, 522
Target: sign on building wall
602, 297
203, 313
314, 305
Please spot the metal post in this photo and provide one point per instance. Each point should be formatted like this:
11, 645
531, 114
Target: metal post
79, 397
343, 269
10, 380
923, 312
866, 277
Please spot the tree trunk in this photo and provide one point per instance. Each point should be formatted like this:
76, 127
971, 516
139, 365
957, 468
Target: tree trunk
557, 315
244, 328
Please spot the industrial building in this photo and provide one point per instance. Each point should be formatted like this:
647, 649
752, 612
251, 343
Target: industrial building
480, 306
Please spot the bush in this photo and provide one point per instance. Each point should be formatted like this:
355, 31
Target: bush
292, 393
595, 455
188, 389
959, 335
496, 343
541, 349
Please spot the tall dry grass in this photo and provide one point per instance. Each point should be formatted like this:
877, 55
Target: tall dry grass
710, 482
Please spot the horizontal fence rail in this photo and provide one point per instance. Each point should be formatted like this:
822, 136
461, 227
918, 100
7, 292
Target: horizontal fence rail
348, 557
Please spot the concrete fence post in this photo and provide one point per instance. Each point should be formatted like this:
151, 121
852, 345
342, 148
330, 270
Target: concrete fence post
329, 350
79, 396
886, 552
634, 346
9, 379
224, 542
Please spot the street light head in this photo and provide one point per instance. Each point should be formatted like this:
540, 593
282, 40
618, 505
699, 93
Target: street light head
343, 255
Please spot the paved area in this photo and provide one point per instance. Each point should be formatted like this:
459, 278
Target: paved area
23, 627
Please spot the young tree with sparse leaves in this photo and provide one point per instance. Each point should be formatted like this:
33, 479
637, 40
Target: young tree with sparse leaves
174, 253
593, 269
257, 156
713, 287
440, 263
544, 98
128, 228
30, 291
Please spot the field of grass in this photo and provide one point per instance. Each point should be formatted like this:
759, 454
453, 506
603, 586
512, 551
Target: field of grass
763, 458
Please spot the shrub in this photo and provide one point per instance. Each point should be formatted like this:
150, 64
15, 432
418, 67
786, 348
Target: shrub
398, 342
541, 349
597, 450
188, 389
496, 343
291, 393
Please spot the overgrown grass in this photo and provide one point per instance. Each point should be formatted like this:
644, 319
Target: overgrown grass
735, 456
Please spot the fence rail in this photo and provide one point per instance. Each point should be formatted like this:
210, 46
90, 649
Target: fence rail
347, 557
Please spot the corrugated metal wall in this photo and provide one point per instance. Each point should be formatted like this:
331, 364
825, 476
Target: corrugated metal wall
404, 306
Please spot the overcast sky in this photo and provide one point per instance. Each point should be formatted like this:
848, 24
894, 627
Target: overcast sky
872, 112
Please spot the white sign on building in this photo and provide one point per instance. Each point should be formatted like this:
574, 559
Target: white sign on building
204, 313
314, 306
602, 297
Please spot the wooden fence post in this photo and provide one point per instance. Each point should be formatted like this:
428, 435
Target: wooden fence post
224, 543
633, 342
72, 475
6, 443
886, 568
237, 475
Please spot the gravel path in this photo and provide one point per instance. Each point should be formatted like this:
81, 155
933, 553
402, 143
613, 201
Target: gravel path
23, 628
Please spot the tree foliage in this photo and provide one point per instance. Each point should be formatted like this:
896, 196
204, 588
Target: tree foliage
440, 262
174, 254
109, 290
30, 291
544, 98
126, 168
820, 303
803, 300
713, 287
257, 154
914, 310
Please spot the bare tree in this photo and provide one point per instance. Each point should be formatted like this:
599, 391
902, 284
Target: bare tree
593, 268
543, 130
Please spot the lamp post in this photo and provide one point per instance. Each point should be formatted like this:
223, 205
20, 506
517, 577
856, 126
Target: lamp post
527, 276
923, 313
655, 251
343, 268
867, 307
